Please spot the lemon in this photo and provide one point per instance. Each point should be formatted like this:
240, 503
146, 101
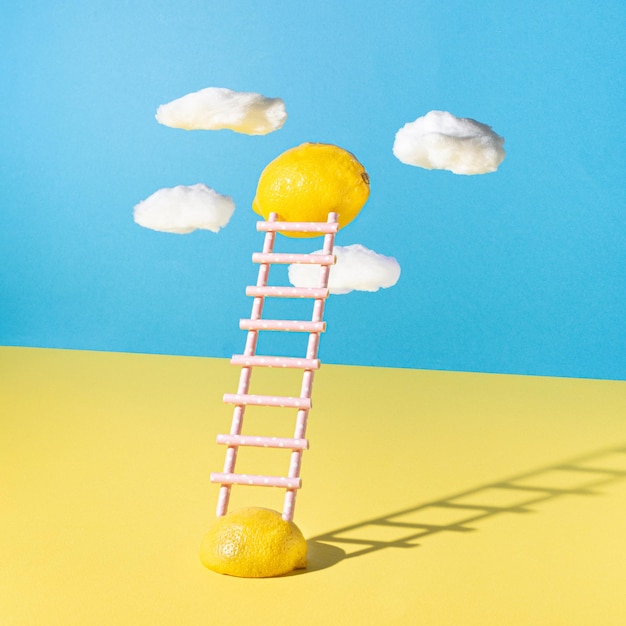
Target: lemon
253, 543
306, 183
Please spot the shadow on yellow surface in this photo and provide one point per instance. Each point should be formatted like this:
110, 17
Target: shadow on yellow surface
105, 494
577, 477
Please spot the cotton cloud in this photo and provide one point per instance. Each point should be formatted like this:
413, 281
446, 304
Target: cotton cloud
357, 269
215, 108
440, 141
184, 209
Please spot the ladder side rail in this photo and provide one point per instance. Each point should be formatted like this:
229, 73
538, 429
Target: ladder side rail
246, 372
307, 378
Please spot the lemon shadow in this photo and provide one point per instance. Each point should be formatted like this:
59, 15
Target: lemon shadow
319, 556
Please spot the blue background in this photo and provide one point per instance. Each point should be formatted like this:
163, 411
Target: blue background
520, 271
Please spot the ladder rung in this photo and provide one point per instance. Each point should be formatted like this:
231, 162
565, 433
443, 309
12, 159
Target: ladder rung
286, 325
281, 401
302, 227
288, 292
257, 481
275, 361
311, 259
263, 442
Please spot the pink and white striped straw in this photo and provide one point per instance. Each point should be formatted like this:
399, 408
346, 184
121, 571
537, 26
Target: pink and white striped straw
249, 359
246, 372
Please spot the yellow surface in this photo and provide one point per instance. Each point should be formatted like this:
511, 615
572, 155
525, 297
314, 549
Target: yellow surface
429, 498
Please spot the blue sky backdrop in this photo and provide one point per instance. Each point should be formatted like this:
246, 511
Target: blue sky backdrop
521, 271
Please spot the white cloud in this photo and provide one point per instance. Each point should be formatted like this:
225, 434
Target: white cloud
184, 209
215, 108
440, 141
357, 269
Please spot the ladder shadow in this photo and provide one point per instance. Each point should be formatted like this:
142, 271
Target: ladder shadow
408, 528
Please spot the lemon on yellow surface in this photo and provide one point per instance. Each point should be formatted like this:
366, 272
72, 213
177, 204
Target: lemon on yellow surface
306, 183
253, 543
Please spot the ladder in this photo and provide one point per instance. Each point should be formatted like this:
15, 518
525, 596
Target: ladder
250, 359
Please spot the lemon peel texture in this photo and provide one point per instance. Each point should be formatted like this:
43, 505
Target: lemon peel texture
253, 543
306, 183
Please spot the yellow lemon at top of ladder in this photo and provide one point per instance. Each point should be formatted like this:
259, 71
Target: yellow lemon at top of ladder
253, 543
306, 183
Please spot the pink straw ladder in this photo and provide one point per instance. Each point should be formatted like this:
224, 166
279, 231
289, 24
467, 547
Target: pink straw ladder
297, 444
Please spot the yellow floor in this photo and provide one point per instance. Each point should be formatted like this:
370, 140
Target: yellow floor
428, 498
